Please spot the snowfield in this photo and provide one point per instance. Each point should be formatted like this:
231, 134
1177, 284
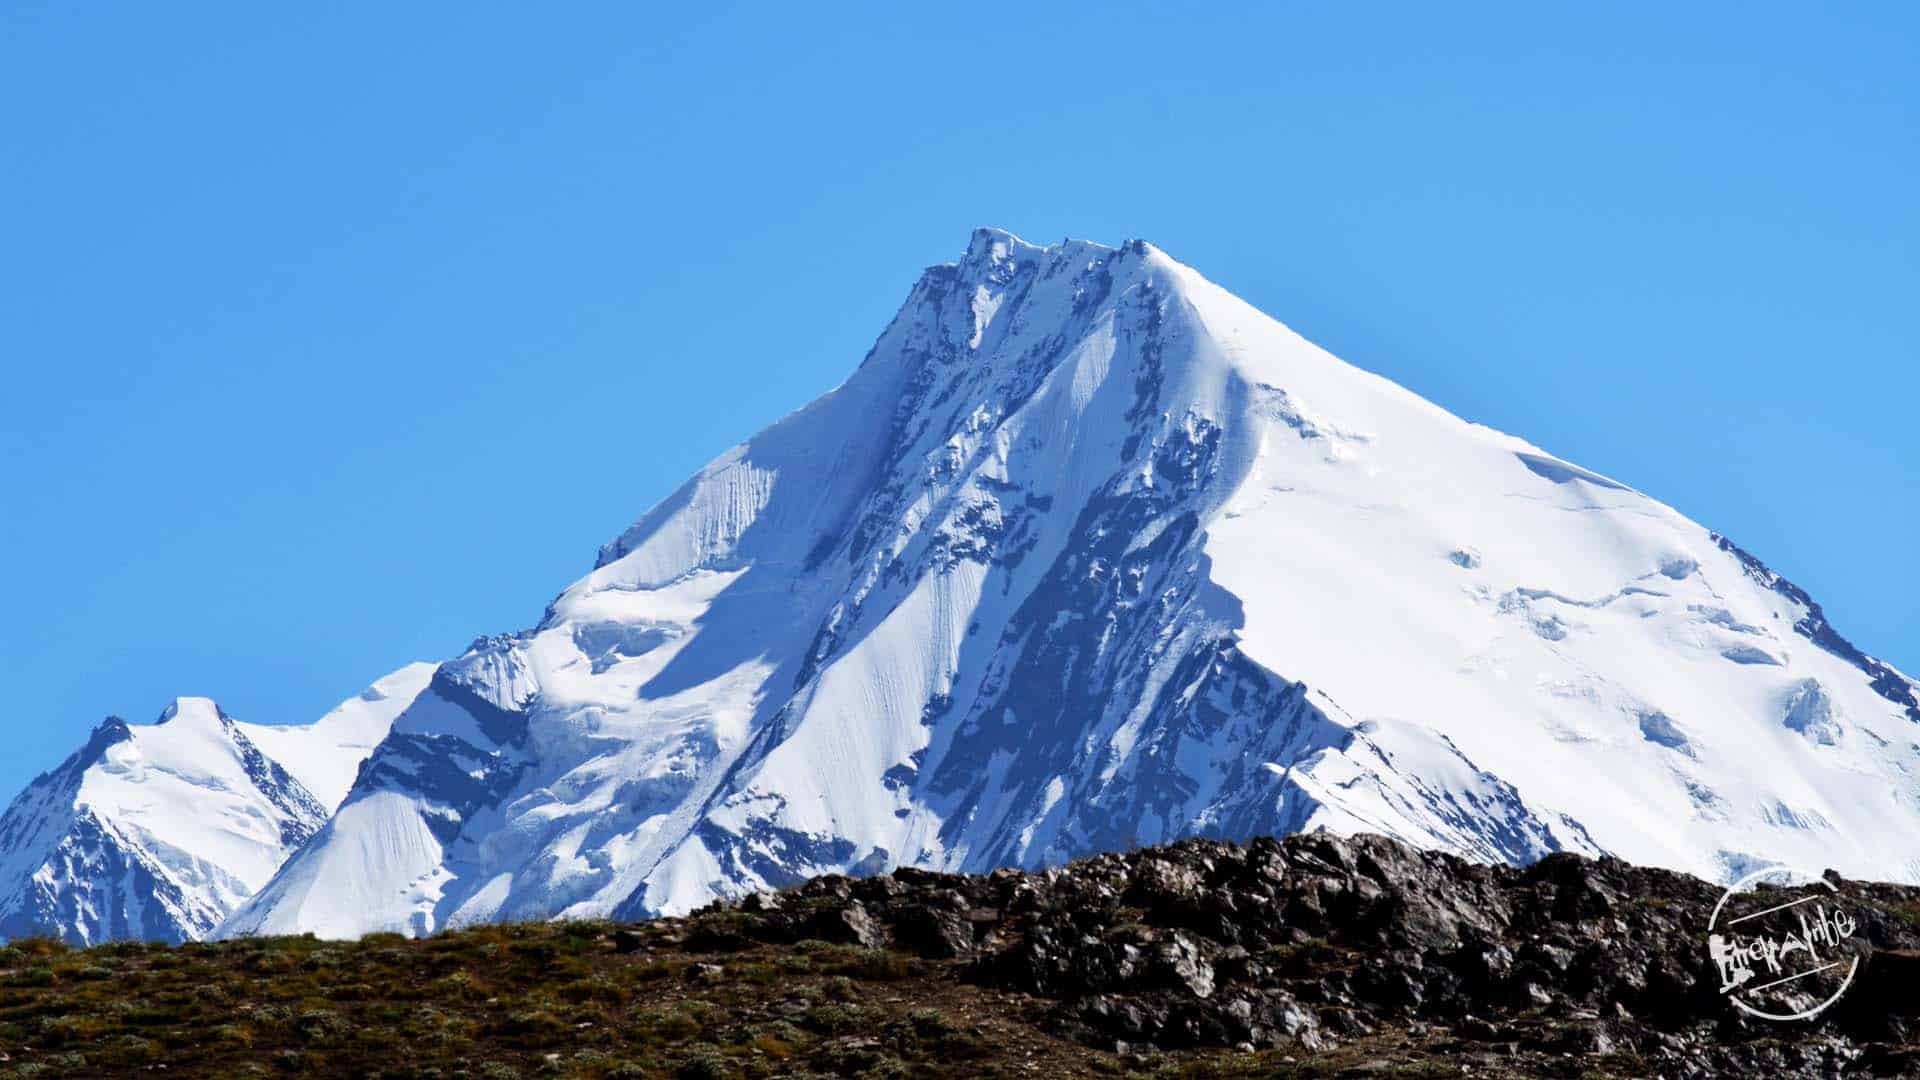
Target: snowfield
1087, 553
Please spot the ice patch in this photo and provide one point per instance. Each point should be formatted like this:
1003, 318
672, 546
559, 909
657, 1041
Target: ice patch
607, 643
1721, 617
1790, 817
1658, 727
1678, 567
1561, 472
1809, 711
1747, 654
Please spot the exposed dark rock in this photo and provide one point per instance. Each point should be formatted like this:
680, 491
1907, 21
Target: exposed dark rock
846, 922
1314, 940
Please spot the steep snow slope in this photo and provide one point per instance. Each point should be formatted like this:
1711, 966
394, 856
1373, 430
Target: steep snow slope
159, 831
325, 755
1086, 553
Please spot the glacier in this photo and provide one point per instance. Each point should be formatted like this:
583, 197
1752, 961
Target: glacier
1089, 553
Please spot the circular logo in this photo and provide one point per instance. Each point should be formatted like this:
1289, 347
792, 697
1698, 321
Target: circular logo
1784, 951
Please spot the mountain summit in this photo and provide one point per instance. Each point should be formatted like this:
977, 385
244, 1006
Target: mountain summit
1088, 553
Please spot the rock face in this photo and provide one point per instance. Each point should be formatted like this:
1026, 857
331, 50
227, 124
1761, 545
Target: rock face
1316, 941
1087, 553
159, 831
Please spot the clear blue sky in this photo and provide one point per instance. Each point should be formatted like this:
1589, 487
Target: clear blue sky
336, 335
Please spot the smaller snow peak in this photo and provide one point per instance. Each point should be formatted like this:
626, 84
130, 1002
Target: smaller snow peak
197, 710
988, 242
108, 733
992, 252
490, 643
406, 680
995, 258
1149, 256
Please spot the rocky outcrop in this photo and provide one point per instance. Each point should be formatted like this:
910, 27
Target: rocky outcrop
1314, 941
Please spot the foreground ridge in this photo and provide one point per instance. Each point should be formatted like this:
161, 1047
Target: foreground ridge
1311, 956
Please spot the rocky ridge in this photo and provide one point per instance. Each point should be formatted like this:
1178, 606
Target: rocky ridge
1313, 942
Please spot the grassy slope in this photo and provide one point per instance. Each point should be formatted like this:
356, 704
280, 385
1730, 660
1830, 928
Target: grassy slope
573, 1000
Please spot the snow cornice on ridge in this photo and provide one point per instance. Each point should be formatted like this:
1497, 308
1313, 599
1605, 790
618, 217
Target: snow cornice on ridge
193, 709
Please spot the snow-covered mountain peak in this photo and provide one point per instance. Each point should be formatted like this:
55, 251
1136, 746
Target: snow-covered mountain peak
159, 830
197, 710
994, 254
108, 732
1088, 552
989, 247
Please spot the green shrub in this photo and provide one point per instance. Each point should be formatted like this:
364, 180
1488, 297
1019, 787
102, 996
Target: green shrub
835, 1019
703, 1064
321, 1026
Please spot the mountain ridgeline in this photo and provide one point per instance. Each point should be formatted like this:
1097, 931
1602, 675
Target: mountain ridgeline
1086, 554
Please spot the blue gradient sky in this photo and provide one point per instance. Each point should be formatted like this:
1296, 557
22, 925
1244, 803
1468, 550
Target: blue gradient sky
334, 338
